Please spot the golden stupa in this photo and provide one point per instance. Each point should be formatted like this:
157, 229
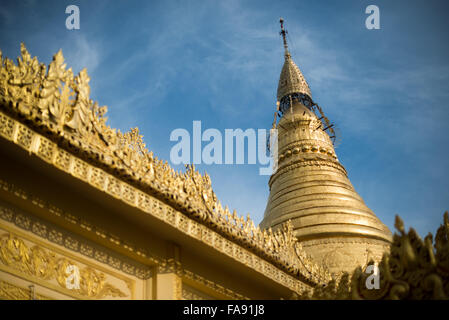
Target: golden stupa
311, 188
88, 212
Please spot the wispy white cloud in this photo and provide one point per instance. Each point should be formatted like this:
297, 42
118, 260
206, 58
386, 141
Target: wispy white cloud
83, 53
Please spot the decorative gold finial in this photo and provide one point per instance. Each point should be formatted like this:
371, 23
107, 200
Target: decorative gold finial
291, 79
283, 33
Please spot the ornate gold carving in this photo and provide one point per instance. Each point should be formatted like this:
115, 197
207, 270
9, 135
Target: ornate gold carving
38, 262
50, 233
305, 150
291, 79
57, 104
145, 202
190, 295
415, 269
206, 235
9, 291
177, 288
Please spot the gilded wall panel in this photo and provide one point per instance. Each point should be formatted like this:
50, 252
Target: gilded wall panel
34, 260
10, 291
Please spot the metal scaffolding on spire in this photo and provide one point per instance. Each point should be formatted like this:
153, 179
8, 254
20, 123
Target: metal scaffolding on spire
294, 87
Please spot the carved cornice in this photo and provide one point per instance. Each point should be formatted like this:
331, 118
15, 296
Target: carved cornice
167, 214
63, 238
188, 294
58, 236
214, 287
57, 105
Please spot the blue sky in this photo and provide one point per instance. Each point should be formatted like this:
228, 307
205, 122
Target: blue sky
160, 65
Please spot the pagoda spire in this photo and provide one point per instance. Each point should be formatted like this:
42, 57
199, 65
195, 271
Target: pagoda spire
292, 84
311, 187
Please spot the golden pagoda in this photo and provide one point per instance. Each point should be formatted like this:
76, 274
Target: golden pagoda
311, 188
88, 212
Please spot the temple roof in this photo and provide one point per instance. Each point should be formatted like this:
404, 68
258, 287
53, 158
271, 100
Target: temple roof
54, 106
